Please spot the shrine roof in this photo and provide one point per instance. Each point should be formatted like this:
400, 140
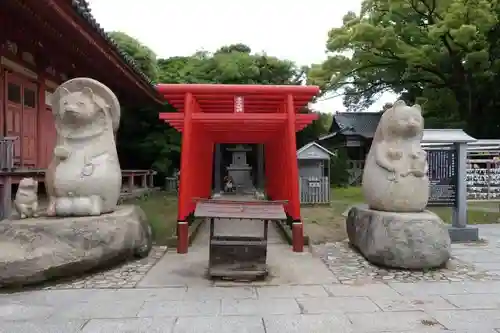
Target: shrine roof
83, 9
362, 124
221, 98
446, 136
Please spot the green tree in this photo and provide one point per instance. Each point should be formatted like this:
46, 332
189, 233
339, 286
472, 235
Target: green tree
339, 166
441, 53
143, 140
143, 55
318, 128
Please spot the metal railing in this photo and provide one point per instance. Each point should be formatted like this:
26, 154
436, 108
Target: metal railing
7, 152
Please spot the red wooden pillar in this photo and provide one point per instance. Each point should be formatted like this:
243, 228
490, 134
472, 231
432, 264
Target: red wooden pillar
271, 170
3, 98
294, 203
209, 166
41, 104
185, 187
284, 162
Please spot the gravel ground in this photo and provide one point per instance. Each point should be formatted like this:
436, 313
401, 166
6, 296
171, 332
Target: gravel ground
126, 275
350, 267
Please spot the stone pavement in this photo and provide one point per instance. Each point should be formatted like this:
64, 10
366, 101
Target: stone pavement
302, 295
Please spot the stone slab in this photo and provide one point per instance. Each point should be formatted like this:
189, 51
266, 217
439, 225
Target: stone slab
136, 325
474, 301
419, 289
102, 309
321, 305
291, 291
259, 307
14, 311
215, 293
325, 323
179, 270
475, 320
412, 303
476, 256
368, 290
180, 308
43, 327
461, 235
233, 324
488, 266
391, 322
58, 298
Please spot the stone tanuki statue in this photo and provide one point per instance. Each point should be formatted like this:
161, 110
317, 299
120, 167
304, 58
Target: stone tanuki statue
84, 177
26, 201
395, 174
394, 229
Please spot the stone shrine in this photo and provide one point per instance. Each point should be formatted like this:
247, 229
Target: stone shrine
239, 170
394, 229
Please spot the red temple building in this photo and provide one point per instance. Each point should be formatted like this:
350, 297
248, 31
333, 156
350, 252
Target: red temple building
213, 114
42, 44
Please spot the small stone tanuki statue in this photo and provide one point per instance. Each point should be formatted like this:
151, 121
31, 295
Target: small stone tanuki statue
84, 177
395, 174
26, 201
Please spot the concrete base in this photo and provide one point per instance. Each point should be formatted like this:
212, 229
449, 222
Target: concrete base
463, 235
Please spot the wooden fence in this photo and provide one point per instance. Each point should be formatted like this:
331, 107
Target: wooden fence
314, 190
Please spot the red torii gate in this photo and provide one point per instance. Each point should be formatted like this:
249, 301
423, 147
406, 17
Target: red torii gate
218, 113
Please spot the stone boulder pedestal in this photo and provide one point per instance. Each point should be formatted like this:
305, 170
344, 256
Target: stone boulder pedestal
399, 240
37, 249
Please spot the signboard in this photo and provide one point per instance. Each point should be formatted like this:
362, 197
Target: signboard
314, 183
443, 177
239, 104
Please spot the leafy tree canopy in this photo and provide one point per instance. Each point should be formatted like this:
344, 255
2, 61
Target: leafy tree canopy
441, 53
143, 55
232, 64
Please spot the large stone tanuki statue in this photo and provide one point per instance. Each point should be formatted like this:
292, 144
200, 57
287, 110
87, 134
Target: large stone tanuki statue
84, 177
83, 181
394, 229
395, 174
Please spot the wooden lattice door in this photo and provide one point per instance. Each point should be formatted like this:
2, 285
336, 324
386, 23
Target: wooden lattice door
29, 125
21, 118
14, 111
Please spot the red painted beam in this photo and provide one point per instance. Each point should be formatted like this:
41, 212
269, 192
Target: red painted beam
240, 116
236, 89
230, 97
241, 126
171, 115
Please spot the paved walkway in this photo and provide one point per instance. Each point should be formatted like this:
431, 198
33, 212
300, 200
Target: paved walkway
302, 295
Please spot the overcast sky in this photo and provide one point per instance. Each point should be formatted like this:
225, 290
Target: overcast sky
292, 30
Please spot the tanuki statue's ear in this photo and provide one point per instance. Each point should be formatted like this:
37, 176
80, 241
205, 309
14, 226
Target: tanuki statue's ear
63, 92
399, 103
88, 92
418, 107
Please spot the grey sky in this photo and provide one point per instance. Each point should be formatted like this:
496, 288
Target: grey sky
292, 30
